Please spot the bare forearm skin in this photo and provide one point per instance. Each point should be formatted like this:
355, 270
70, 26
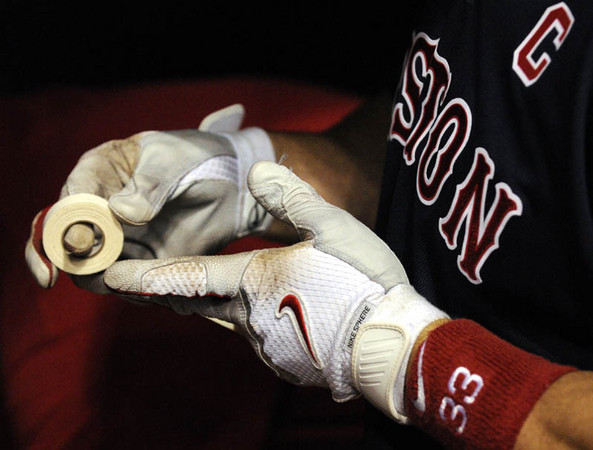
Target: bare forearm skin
563, 416
338, 177
344, 164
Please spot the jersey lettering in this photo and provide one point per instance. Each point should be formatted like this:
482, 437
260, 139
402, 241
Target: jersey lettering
435, 134
481, 232
425, 82
446, 140
558, 20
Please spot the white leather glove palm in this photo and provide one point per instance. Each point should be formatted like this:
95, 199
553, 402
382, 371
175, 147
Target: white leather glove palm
334, 310
177, 193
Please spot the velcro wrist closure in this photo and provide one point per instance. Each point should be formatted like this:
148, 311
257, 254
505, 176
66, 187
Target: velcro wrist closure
383, 346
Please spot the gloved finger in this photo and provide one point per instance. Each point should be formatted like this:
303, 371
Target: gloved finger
332, 229
42, 269
159, 280
166, 167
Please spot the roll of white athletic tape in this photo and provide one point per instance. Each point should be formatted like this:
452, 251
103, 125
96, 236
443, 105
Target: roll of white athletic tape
82, 208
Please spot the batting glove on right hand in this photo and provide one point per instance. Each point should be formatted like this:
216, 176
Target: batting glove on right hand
334, 310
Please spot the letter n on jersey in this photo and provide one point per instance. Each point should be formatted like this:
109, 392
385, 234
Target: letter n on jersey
481, 232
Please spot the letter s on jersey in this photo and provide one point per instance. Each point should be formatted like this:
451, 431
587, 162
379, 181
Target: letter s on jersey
558, 19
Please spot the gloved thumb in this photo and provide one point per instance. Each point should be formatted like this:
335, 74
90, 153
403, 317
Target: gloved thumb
332, 230
158, 173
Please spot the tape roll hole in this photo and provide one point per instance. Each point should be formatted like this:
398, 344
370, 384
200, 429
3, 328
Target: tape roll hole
83, 239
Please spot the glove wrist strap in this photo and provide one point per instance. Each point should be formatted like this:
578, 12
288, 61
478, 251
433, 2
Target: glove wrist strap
383, 346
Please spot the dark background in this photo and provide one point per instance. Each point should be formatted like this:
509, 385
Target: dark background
113, 43
46, 44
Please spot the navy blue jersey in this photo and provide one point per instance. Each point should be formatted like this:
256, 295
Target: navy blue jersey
487, 186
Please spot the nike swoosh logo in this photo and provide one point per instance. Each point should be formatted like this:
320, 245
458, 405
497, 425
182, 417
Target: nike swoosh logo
420, 401
292, 306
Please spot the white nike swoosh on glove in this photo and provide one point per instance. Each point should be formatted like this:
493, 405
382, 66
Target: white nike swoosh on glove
420, 401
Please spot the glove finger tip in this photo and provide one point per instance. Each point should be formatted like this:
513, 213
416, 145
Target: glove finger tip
125, 276
266, 172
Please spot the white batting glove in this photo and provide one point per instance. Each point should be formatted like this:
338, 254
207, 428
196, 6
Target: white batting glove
334, 310
177, 193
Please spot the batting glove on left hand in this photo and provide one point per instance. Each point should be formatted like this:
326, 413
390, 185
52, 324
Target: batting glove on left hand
181, 192
334, 310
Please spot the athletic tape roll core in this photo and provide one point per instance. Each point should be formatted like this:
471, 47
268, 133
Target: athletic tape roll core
82, 208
